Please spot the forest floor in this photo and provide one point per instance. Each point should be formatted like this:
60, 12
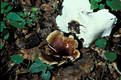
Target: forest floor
28, 42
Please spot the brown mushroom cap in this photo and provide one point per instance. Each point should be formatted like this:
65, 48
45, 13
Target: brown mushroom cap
63, 47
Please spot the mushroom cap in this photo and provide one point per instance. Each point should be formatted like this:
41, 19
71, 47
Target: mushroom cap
62, 47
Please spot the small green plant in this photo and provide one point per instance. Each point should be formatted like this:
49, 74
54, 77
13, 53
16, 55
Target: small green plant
34, 9
113, 4
95, 4
101, 43
15, 20
39, 66
17, 59
18, 19
5, 9
11, 19
30, 18
110, 56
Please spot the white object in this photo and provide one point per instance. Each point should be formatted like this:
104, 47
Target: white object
94, 23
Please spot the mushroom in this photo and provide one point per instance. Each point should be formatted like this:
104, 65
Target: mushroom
92, 24
60, 49
63, 46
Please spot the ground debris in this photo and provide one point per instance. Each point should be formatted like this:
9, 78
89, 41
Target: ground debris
32, 41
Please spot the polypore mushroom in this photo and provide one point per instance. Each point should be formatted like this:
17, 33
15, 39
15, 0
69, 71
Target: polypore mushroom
61, 48
92, 24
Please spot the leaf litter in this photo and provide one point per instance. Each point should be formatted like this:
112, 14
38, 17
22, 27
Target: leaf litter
32, 41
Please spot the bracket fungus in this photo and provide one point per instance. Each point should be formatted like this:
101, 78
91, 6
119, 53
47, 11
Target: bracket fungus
60, 48
92, 24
